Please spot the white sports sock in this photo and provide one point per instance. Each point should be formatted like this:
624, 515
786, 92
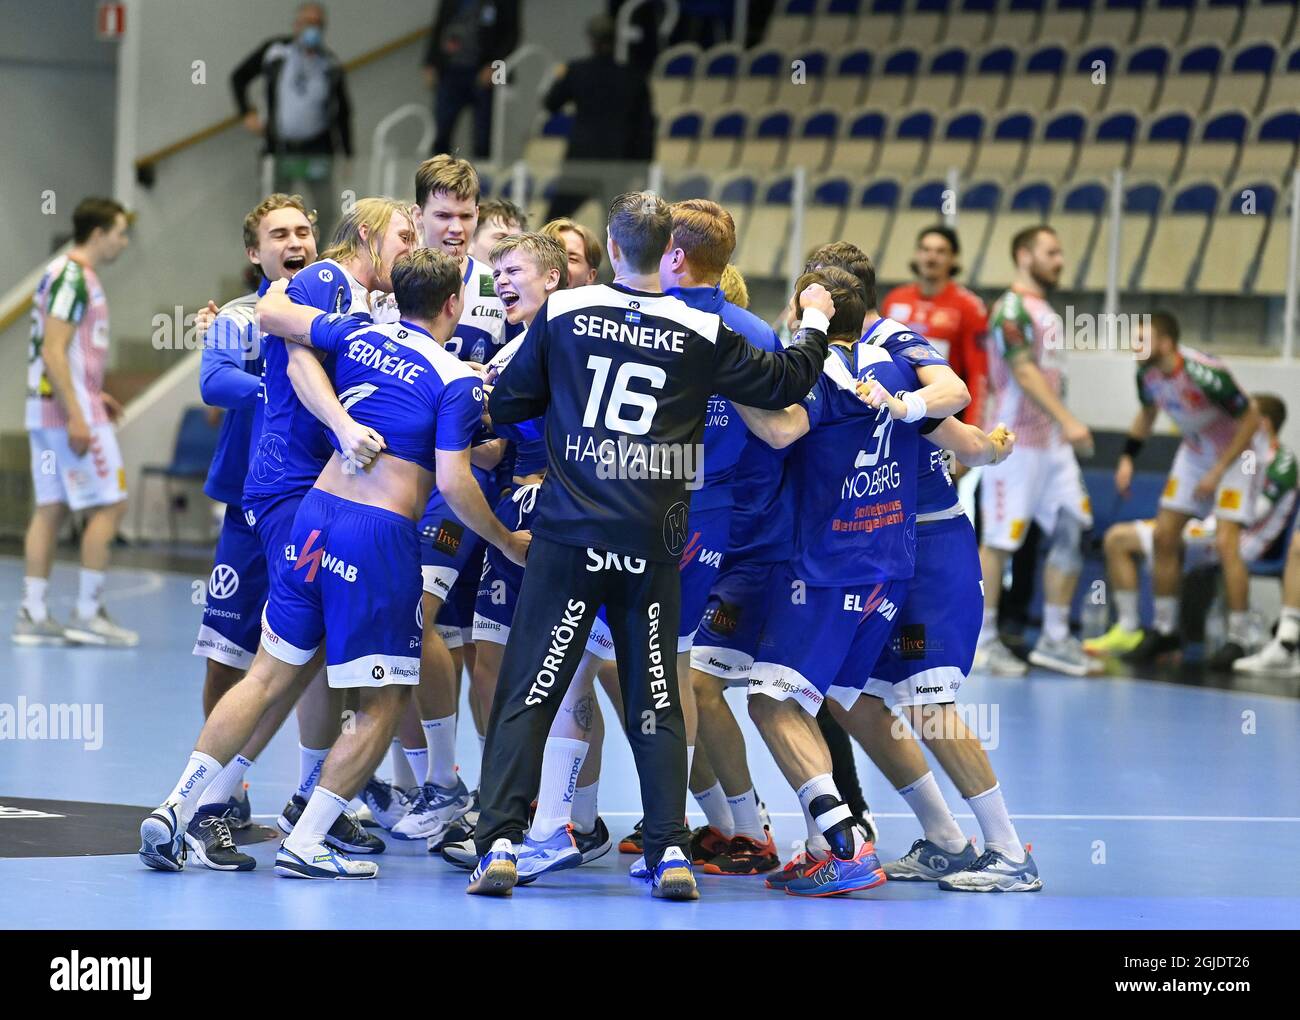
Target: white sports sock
34, 591
926, 801
1288, 628
310, 761
227, 782
745, 819
815, 843
1126, 610
584, 807
717, 812
1056, 622
198, 775
417, 763
403, 776
690, 759
321, 812
989, 628
90, 593
1166, 618
991, 813
440, 737
1239, 628
561, 762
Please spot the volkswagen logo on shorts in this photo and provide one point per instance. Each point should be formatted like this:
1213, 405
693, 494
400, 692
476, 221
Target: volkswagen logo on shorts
377, 672
419, 612
675, 528
224, 581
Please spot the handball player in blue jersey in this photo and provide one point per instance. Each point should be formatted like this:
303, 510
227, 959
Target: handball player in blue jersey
279, 239
354, 585
851, 468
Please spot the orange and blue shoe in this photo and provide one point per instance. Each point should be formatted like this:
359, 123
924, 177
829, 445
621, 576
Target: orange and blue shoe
800, 864
835, 876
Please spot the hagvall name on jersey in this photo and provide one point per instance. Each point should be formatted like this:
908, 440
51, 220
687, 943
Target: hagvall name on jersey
627, 458
630, 332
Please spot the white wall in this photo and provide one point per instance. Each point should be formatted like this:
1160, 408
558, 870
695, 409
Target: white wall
56, 133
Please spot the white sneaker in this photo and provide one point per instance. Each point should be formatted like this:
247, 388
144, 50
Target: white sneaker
996, 658
432, 810
29, 632
321, 861
100, 630
1064, 656
1274, 659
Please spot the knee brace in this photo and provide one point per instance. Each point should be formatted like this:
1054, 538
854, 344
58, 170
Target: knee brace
1065, 553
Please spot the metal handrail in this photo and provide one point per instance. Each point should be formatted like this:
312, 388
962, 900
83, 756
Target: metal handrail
383, 177
501, 93
626, 33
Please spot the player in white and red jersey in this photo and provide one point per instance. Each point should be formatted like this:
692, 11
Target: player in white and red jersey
1218, 422
951, 317
76, 463
1042, 482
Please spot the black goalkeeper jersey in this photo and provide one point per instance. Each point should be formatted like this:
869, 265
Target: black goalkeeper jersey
624, 378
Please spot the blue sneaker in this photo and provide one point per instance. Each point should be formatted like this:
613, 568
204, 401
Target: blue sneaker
238, 812
834, 875
322, 861
496, 874
387, 803
995, 872
673, 877
433, 810
558, 852
162, 840
929, 862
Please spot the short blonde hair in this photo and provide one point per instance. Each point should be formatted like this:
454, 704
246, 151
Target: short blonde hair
272, 202
734, 288
546, 252
590, 243
706, 232
447, 174
375, 214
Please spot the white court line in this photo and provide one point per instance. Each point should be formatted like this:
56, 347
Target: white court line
1287, 819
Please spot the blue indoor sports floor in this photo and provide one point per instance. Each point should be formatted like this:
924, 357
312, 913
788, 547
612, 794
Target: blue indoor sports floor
1147, 804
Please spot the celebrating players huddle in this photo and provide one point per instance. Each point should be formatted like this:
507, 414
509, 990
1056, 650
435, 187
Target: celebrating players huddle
463, 456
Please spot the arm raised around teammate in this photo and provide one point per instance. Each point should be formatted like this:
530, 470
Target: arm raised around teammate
971, 444
522, 389
774, 380
223, 380
778, 429
464, 496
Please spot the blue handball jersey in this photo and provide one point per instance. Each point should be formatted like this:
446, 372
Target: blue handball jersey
624, 379
481, 332
230, 376
935, 492
854, 478
724, 431
294, 445
399, 381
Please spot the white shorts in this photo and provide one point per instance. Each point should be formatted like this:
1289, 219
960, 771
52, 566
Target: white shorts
1199, 548
1031, 485
438, 580
600, 642
96, 478
1233, 500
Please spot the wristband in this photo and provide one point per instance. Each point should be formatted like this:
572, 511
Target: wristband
813, 318
1131, 447
916, 407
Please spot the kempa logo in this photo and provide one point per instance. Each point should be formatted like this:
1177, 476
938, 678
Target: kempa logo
562, 636
224, 581
35, 721
75, 973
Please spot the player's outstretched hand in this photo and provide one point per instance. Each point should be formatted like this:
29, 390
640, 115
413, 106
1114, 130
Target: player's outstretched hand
817, 296
1004, 441
1078, 435
877, 396
516, 547
359, 444
205, 317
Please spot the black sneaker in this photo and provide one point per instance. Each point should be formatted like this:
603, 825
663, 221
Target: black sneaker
1226, 656
706, 843
208, 838
633, 842
744, 855
345, 834
594, 844
1153, 646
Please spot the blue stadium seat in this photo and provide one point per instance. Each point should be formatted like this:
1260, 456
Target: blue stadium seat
803, 91
989, 266
1161, 150
1018, 22
814, 139
1274, 20
1054, 154
690, 186
1218, 19
1189, 87
768, 232
720, 146
680, 137
1215, 154
195, 446
1001, 155
1231, 249
763, 69
765, 148
925, 22
844, 89
893, 81
985, 86
1040, 78
1166, 21
924, 206
1077, 224
828, 201
911, 136
1115, 21
867, 222
1178, 239
1142, 203
1139, 83
855, 154
938, 85
1064, 21
792, 23
1113, 135
979, 203
718, 83
955, 147
674, 74
970, 21
1243, 84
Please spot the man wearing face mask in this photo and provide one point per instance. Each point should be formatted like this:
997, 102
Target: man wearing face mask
307, 114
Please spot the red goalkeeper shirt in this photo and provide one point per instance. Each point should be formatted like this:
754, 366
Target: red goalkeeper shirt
954, 321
